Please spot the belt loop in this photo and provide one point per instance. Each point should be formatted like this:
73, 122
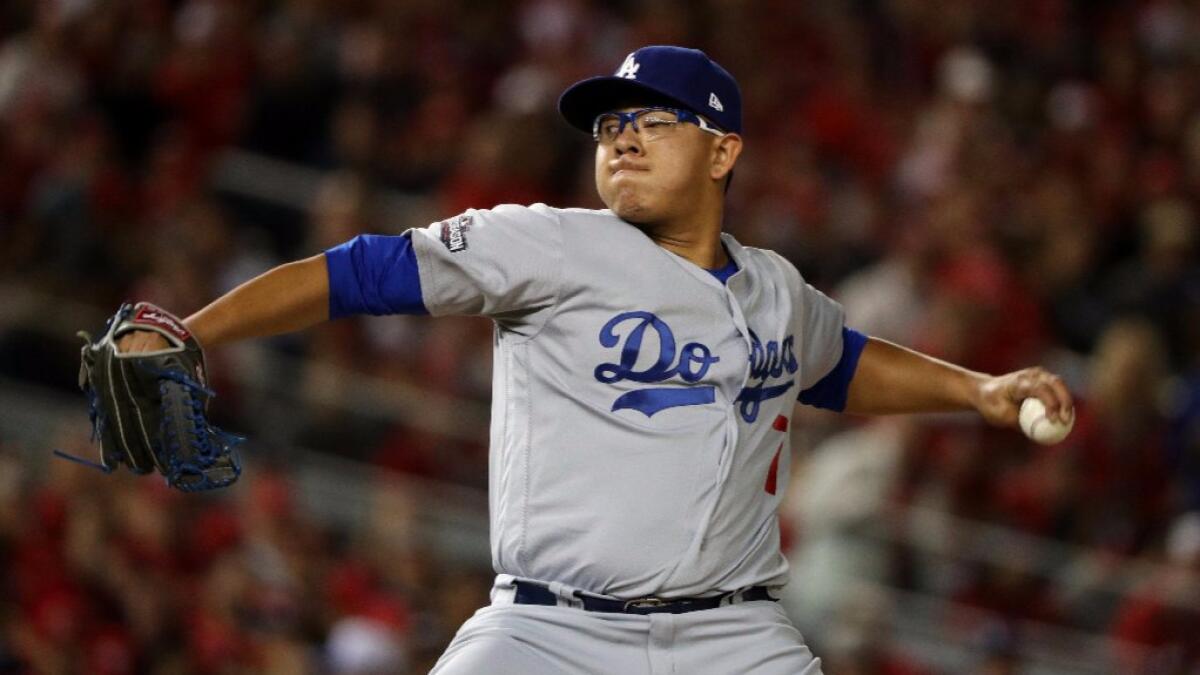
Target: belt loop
503, 590
565, 594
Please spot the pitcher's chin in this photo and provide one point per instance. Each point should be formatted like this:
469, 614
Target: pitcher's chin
631, 208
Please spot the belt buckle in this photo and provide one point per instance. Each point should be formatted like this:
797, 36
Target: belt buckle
644, 602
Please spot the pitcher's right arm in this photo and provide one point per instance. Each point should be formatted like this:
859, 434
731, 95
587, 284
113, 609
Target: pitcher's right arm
510, 267
284, 299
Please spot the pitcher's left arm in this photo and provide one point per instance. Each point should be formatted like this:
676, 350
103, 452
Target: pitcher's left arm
892, 379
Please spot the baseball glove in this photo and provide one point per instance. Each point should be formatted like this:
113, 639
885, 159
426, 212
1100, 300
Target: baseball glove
149, 409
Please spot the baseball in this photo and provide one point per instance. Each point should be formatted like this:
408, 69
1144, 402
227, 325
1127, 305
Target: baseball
1039, 427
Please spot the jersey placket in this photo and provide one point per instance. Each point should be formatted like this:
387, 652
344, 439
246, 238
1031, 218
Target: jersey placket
728, 291
733, 431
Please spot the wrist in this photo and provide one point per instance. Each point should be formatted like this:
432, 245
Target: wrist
973, 389
200, 330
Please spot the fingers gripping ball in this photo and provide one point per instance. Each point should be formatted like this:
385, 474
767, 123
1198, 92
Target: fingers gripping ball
1038, 426
150, 409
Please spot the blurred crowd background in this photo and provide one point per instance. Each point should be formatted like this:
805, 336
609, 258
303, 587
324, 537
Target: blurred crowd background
1000, 183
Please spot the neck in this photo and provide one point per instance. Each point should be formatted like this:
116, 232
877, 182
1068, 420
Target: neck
696, 237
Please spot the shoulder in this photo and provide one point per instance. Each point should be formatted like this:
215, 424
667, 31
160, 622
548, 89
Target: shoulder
504, 214
518, 223
594, 232
546, 211
577, 212
767, 262
578, 217
542, 215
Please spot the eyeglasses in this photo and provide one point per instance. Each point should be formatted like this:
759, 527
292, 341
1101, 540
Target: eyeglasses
650, 123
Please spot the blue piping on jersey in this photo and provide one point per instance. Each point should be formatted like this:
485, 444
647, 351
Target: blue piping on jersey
831, 391
374, 274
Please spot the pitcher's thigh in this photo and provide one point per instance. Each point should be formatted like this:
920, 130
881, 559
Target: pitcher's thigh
499, 654
523, 640
755, 639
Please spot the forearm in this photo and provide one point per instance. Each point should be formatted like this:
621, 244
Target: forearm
892, 379
284, 299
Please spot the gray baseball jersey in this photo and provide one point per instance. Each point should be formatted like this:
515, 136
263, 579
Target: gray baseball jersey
640, 407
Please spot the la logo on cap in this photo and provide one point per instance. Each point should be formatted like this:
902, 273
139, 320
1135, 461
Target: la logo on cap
629, 68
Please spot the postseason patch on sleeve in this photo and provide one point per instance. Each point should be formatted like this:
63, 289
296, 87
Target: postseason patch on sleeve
454, 232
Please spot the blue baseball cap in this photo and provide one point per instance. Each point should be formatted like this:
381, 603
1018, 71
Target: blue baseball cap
683, 77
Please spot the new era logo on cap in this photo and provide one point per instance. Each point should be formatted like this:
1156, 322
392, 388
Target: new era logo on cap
658, 75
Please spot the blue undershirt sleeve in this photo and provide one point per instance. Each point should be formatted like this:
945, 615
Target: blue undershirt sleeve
831, 391
374, 274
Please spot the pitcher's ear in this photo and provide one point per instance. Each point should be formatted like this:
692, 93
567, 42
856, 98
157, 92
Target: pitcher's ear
726, 151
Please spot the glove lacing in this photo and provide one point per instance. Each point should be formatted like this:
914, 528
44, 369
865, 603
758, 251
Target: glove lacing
200, 439
96, 417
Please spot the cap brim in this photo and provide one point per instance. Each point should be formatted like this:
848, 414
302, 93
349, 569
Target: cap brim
584, 100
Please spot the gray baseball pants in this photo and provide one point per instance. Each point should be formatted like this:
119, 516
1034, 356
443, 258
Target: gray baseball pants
752, 638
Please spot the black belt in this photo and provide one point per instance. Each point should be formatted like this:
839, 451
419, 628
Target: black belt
531, 593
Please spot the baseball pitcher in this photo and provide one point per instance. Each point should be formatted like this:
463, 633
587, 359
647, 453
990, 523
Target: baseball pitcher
647, 367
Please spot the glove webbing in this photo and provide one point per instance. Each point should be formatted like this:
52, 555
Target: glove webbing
200, 440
